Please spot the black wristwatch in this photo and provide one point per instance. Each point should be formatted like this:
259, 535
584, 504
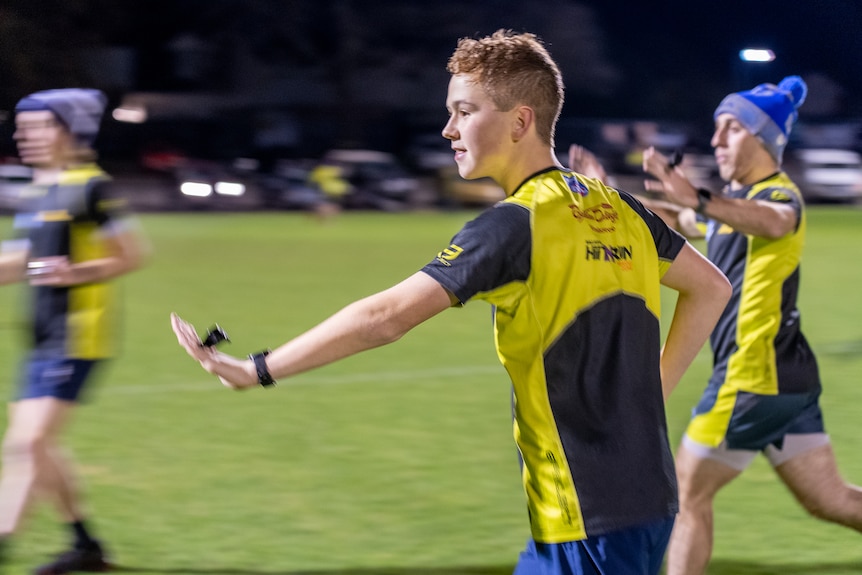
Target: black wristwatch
263, 376
704, 196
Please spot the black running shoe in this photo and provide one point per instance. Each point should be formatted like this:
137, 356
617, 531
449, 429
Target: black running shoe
76, 560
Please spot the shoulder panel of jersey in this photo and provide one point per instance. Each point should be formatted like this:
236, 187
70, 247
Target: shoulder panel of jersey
769, 263
82, 174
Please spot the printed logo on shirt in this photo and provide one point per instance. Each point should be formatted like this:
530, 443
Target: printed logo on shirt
560, 487
601, 218
54, 216
449, 254
575, 185
620, 255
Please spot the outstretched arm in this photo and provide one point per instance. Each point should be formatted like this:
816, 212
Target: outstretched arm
684, 220
365, 324
703, 294
750, 217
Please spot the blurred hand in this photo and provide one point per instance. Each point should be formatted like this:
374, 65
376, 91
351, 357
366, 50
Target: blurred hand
655, 164
585, 162
54, 271
234, 373
671, 180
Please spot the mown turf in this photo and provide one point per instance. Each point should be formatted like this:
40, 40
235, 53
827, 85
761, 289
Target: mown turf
399, 460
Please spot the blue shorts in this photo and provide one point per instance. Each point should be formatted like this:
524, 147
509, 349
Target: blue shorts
61, 378
637, 550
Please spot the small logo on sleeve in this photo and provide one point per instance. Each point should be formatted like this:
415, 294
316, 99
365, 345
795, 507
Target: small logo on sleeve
447, 256
779, 196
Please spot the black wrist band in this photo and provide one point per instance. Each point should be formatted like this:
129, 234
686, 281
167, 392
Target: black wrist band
704, 196
263, 376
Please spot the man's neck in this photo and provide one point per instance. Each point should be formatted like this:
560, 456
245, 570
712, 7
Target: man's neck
755, 176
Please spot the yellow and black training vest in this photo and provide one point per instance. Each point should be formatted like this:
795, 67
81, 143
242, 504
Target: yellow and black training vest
70, 219
572, 268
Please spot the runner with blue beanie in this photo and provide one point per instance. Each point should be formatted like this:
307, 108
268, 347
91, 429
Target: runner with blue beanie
763, 396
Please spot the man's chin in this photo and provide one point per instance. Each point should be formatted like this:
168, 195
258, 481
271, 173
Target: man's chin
35, 160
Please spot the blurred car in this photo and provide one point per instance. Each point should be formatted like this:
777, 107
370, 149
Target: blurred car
459, 192
829, 175
429, 153
13, 178
208, 184
162, 159
376, 180
291, 186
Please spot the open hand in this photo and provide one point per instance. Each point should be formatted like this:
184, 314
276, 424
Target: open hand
585, 162
234, 373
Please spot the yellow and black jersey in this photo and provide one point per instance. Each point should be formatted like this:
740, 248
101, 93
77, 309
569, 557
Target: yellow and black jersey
572, 269
758, 345
71, 218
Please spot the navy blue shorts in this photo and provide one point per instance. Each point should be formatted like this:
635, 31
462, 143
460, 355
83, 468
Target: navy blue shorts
61, 378
758, 421
637, 550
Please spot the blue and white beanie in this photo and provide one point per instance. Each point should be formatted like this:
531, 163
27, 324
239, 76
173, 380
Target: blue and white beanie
767, 111
79, 109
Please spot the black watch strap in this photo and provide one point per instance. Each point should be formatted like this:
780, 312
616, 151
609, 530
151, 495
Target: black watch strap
704, 196
263, 376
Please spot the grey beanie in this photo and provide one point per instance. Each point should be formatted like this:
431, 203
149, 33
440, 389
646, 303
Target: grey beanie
79, 109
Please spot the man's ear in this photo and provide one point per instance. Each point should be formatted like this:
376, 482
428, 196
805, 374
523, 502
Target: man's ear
523, 120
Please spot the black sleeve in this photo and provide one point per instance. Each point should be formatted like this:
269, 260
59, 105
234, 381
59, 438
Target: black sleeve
667, 240
104, 204
490, 251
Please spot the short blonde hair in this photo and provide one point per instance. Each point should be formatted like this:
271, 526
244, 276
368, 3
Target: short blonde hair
514, 69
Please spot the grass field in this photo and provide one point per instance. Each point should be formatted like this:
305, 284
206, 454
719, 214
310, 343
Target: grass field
397, 461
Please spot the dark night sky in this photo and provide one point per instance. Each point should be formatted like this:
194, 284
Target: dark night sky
807, 35
671, 59
688, 45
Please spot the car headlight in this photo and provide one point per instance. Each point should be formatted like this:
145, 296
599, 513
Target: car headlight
197, 189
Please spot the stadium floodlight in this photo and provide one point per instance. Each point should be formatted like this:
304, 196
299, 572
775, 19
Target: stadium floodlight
756, 55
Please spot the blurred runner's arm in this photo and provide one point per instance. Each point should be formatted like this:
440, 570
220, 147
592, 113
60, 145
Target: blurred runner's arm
13, 262
127, 251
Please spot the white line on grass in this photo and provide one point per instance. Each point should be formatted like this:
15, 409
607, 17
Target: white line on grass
211, 384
